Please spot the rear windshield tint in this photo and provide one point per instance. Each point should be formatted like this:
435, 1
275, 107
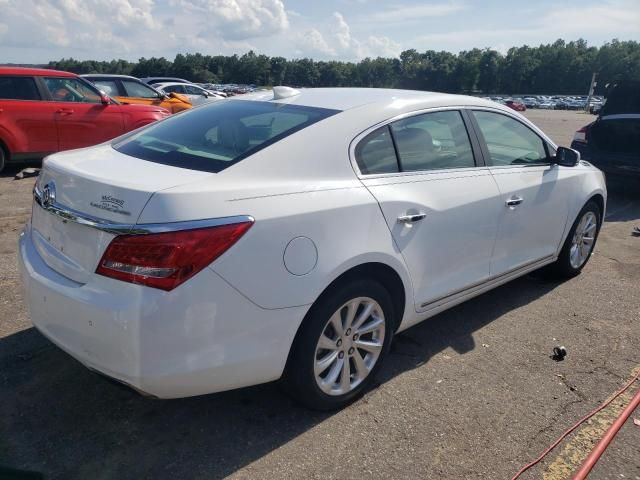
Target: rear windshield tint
213, 137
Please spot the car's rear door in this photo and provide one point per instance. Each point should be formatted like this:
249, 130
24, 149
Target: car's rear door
27, 123
440, 202
535, 195
81, 117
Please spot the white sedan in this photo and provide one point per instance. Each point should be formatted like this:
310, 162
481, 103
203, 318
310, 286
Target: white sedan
289, 235
195, 93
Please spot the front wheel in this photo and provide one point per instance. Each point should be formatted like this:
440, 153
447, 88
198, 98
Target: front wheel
580, 242
341, 345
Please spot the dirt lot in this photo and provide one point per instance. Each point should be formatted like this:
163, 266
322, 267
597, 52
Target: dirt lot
471, 393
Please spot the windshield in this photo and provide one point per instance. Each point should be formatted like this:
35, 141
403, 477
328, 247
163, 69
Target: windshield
214, 137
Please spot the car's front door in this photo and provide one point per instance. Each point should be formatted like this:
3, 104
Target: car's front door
535, 195
81, 117
439, 201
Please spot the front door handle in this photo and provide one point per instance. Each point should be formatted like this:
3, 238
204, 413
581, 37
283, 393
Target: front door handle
64, 111
411, 218
514, 201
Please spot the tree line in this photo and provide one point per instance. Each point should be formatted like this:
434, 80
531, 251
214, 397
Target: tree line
557, 68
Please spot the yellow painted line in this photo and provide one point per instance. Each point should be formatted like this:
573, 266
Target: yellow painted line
586, 437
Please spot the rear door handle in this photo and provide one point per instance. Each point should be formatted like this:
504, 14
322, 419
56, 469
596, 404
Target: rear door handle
411, 218
514, 201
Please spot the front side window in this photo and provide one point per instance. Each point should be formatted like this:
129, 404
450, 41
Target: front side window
18, 88
215, 137
510, 142
67, 89
110, 87
433, 141
139, 90
191, 90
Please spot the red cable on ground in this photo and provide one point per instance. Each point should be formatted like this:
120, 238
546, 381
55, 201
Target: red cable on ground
597, 452
580, 422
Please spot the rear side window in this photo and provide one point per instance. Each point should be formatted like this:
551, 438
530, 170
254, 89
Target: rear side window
433, 141
174, 89
216, 136
18, 88
376, 154
110, 87
135, 89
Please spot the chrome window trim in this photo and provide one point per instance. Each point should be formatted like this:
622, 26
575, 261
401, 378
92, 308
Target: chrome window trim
364, 133
71, 215
518, 118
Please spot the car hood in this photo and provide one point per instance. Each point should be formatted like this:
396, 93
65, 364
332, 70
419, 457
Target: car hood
144, 108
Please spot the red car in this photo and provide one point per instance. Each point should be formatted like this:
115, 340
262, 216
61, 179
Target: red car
517, 106
45, 111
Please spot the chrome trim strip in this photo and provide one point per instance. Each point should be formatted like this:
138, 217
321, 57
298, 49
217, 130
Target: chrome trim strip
69, 214
505, 111
489, 280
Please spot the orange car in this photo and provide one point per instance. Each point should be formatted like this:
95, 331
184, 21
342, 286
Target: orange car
127, 90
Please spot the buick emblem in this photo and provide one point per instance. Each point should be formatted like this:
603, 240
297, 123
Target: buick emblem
49, 195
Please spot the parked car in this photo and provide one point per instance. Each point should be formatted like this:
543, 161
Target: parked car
612, 142
196, 94
547, 105
44, 111
152, 80
290, 234
517, 106
130, 90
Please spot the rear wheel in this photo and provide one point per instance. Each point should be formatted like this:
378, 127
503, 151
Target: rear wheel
579, 244
341, 345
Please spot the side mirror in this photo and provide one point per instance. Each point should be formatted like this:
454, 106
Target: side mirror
566, 157
104, 99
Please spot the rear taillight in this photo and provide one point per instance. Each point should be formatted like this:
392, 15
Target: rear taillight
165, 260
581, 135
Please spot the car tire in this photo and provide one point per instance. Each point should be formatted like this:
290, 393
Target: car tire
315, 376
580, 242
3, 157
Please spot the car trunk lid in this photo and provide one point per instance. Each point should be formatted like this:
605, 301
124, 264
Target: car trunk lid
103, 186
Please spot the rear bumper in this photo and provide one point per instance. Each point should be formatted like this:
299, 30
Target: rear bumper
200, 338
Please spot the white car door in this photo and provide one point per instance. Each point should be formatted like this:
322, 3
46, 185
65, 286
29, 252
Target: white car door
439, 201
535, 194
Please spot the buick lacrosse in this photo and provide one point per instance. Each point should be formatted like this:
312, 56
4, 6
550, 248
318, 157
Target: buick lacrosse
290, 234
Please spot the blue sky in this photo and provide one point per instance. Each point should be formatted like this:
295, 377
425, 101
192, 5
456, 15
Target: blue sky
33, 31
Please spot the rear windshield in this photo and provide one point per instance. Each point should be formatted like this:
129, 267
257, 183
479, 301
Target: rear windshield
213, 137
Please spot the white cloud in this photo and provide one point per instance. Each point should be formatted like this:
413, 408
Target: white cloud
382, 47
106, 25
312, 42
343, 32
238, 19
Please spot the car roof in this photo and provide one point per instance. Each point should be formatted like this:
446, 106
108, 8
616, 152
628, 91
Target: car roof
167, 84
348, 98
107, 75
38, 72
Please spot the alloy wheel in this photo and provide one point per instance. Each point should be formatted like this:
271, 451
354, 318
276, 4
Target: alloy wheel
583, 239
349, 346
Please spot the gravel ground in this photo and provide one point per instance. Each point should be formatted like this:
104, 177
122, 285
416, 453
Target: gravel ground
471, 393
